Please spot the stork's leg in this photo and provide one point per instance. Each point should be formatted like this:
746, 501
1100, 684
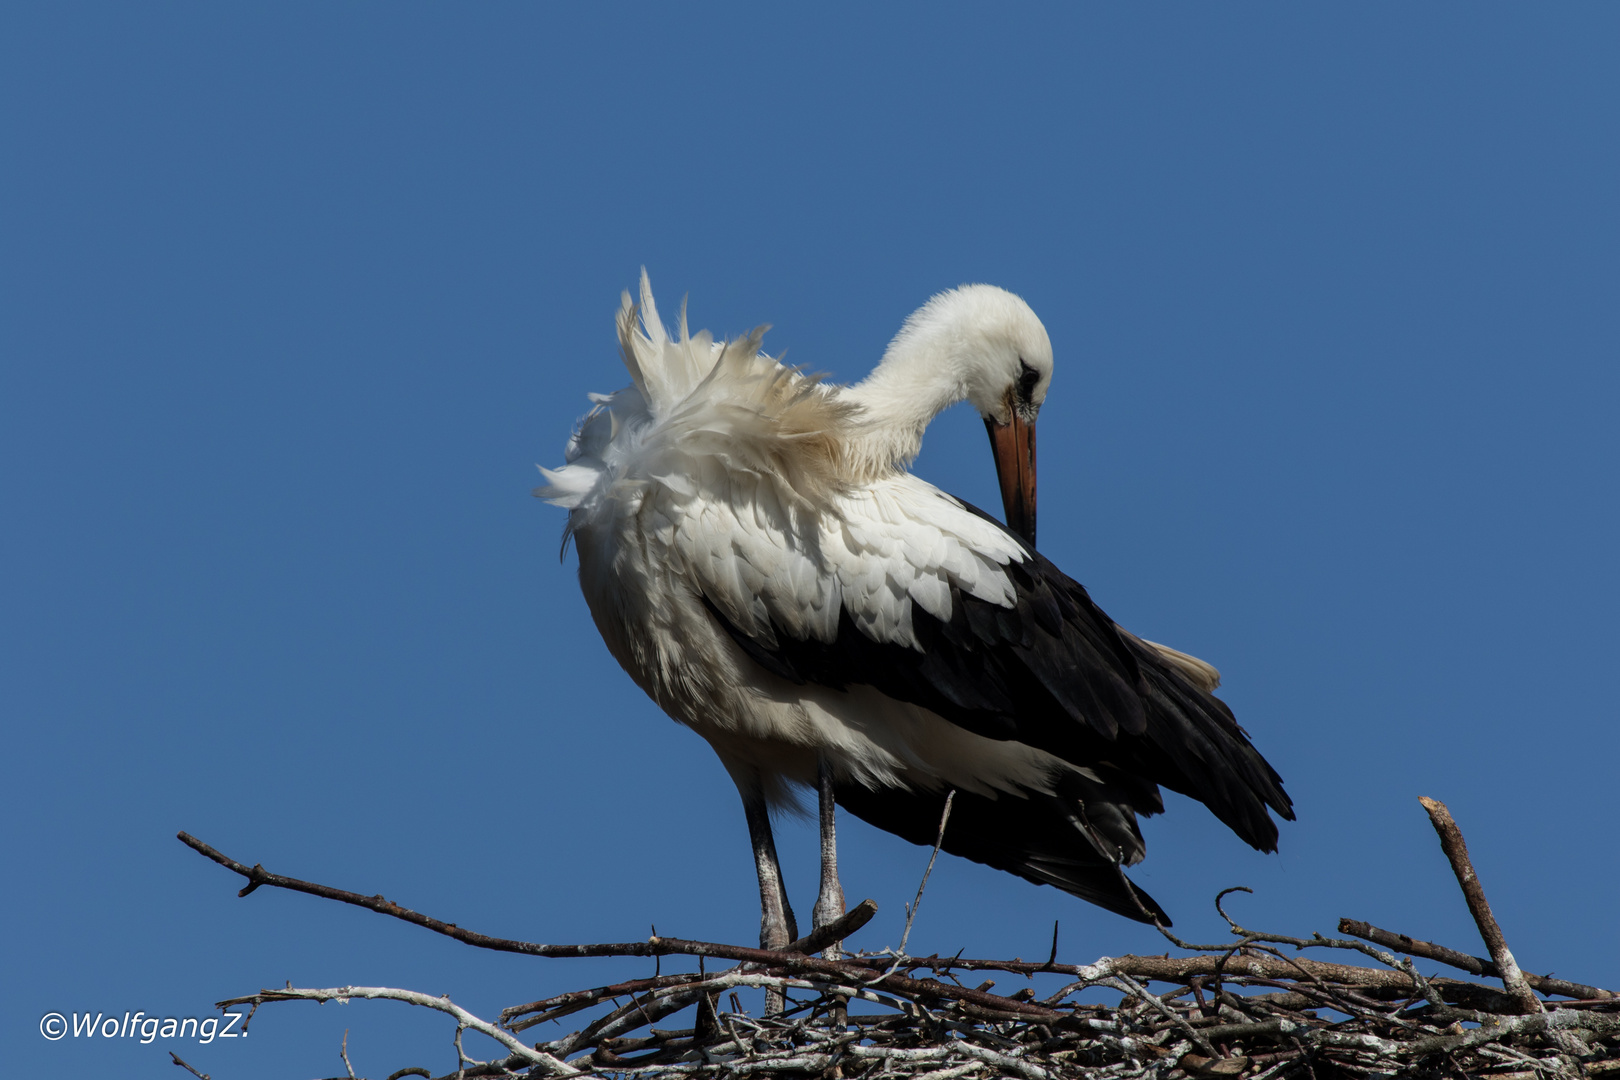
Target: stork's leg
776, 924
830, 901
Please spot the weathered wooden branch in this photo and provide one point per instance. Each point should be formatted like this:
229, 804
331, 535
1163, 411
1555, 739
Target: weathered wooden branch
464, 1019
184, 1064
657, 946
257, 876
837, 930
1456, 849
1475, 965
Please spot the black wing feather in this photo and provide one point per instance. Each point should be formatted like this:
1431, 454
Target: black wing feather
1037, 838
1056, 673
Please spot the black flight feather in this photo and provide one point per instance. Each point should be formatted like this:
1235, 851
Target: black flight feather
1056, 673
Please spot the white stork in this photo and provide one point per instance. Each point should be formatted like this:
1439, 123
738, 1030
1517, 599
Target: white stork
758, 558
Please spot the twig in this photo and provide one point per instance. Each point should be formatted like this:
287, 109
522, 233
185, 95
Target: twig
462, 1060
257, 875
1474, 965
344, 1054
554, 1008
1562, 1020
178, 1060
911, 912
837, 930
1131, 986
1456, 849
522, 1053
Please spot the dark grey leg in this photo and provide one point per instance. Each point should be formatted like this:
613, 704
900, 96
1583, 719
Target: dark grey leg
830, 901
776, 925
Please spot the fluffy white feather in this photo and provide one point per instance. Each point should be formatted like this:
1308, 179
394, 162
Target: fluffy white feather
724, 473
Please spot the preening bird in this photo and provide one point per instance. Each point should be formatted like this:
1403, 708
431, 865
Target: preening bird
758, 558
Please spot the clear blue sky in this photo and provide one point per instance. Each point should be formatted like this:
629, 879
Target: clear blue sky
293, 298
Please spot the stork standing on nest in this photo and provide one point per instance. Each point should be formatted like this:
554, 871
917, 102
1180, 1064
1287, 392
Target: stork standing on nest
758, 558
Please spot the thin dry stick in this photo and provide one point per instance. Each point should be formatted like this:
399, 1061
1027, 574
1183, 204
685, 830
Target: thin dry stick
178, 1060
834, 932
911, 912
663, 946
1155, 967
257, 875
464, 1019
1474, 965
1456, 849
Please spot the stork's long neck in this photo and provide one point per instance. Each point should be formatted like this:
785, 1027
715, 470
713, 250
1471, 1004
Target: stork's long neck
919, 377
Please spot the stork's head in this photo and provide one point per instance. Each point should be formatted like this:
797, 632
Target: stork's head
999, 349
979, 344
998, 354
1009, 369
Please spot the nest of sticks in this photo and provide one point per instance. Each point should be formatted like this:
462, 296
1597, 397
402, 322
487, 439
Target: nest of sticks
1254, 1007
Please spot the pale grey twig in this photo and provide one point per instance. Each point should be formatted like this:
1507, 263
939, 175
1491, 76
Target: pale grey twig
911, 912
525, 1054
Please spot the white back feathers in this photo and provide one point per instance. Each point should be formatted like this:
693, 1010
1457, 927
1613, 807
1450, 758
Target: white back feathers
724, 465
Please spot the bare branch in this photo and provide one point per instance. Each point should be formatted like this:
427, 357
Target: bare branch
911, 912
659, 946
837, 930
524, 1054
1456, 849
178, 1060
1475, 965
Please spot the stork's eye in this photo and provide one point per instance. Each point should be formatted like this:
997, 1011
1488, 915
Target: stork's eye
1027, 378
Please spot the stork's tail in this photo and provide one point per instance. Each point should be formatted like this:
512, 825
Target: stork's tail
1033, 837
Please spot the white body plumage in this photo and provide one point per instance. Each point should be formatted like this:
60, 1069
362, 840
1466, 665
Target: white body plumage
757, 557
722, 474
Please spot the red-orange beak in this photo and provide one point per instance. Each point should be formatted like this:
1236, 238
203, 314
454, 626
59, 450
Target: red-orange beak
1013, 444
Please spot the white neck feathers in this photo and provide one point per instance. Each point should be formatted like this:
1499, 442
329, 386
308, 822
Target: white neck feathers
969, 344
914, 383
